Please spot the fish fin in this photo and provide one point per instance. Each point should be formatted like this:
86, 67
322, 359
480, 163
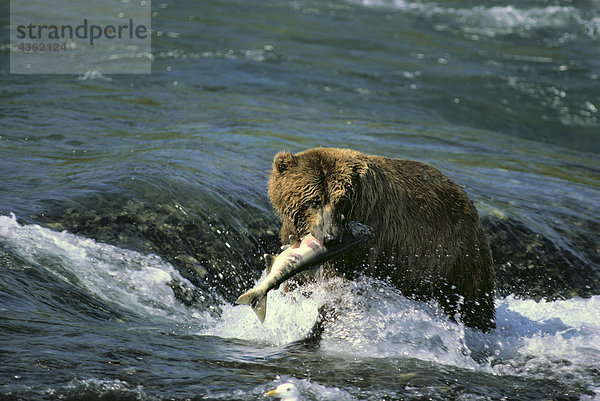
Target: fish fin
257, 302
319, 273
269, 260
261, 309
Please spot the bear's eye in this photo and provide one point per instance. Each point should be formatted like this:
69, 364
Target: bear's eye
315, 203
344, 205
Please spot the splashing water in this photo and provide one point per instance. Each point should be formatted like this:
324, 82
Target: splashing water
499, 20
374, 320
544, 339
129, 279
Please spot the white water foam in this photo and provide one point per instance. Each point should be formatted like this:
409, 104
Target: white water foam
543, 333
127, 278
498, 20
539, 339
374, 320
290, 316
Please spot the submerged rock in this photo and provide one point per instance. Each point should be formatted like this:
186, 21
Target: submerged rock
220, 255
530, 265
219, 248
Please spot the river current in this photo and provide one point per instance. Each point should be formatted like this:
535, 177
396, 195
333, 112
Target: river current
133, 208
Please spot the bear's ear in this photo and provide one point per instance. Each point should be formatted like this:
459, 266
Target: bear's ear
283, 161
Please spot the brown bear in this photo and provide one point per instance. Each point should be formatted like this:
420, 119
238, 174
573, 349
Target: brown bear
428, 239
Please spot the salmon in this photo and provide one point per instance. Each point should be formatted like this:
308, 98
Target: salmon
301, 256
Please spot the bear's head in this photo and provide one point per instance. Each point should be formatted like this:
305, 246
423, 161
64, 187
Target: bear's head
314, 192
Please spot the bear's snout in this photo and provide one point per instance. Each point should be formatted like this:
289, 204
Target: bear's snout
328, 227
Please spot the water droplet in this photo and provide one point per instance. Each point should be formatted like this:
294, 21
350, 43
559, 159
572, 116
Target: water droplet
591, 107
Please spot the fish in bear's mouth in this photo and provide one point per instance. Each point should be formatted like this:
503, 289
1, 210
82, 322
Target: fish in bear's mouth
300, 256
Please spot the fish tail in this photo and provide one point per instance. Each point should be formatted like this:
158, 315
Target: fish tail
257, 301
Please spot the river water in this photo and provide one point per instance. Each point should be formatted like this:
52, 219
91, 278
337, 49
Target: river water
133, 208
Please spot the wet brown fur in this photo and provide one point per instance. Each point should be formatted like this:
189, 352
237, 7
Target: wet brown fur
429, 241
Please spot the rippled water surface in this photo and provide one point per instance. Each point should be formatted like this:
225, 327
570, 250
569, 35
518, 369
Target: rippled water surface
133, 208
